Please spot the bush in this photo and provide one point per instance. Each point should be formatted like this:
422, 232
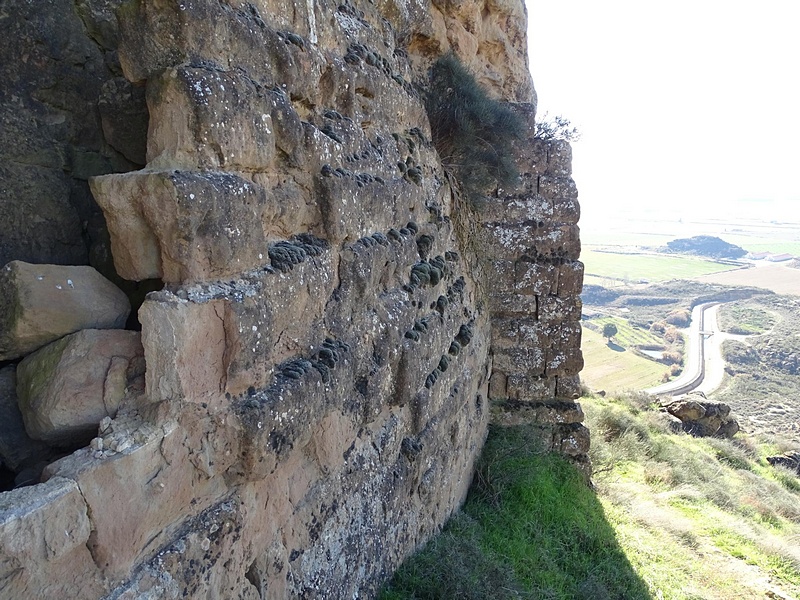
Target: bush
471, 131
680, 317
556, 128
672, 335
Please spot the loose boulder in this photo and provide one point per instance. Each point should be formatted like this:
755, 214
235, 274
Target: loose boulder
790, 460
41, 303
66, 388
702, 417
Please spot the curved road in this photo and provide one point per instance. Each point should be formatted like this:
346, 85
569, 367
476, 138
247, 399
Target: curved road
704, 367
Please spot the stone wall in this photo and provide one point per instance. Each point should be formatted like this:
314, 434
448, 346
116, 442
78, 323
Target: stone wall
318, 362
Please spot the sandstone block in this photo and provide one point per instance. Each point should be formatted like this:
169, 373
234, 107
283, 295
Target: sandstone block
515, 412
212, 120
66, 388
138, 498
513, 304
570, 279
569, 386
502, 275
518, 208
558, 188
511, 241
566, 210
17, 449
184, 226
124, 118
538, 279
42, 303
571, 439
701, 417
524, 386
520, 359
497, 385
516, 332
43, 534
555, 308
559, 159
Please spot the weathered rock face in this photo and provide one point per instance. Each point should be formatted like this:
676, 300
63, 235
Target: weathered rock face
45, 302
66, 114
318, 364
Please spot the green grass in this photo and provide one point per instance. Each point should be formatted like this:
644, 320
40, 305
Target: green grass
647, 267
531, 528
692, 495
745, 318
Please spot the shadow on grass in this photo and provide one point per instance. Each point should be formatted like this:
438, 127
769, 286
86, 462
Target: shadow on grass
531, 528
615, 347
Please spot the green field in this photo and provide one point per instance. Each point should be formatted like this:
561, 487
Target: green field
647, 268
607, 369
627, 335
778, 244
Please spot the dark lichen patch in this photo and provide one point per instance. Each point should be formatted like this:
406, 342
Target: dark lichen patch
465, 333
424, 245
413, 335
410, 448
431, 379
328, 356
327, 130
444, 362
285, 255
454, 349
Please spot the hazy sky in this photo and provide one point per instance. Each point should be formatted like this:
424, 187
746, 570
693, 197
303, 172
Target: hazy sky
688, 103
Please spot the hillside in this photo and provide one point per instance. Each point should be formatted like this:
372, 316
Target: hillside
672, 517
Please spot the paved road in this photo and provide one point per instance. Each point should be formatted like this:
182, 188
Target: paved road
704, 367
693, 366
715, 363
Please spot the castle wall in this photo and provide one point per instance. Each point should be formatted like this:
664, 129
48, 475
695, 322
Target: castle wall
336, 329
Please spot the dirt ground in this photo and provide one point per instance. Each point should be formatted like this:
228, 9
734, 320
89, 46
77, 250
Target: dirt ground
779, 278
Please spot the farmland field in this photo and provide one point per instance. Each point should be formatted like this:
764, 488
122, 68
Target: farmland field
607, 369
781, 279
648, 267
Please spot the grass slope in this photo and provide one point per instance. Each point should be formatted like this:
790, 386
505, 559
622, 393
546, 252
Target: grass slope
673, 518
531, 528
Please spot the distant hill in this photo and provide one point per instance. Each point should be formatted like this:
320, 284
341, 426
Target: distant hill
706, 245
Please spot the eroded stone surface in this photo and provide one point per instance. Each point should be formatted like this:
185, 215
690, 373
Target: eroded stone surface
43, 535
45, 302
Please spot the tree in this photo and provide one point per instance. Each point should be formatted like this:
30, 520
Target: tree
609, 331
